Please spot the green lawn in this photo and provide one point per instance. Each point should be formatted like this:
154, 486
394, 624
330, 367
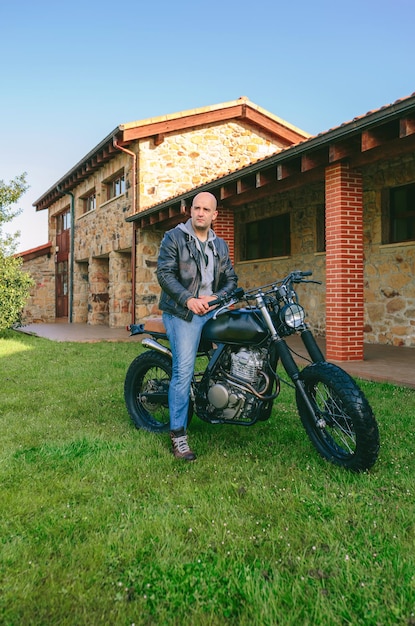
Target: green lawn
100, 525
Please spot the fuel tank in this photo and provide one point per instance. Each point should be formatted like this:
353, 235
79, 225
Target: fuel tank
239, 327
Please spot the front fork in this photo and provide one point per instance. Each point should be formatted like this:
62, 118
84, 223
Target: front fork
284, 353
292, 369
286, 357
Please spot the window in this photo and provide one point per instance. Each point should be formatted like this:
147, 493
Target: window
63, 221
89, 202
401, 222
115, 186
267, 238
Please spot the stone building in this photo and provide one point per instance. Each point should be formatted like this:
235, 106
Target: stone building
340, 203
40, 263
100, 261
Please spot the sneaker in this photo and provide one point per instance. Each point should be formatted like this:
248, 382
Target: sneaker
180, 447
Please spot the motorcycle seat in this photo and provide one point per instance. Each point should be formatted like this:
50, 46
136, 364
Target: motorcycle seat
154, 325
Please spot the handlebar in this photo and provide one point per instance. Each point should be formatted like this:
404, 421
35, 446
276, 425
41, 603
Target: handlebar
297, 276
236, 295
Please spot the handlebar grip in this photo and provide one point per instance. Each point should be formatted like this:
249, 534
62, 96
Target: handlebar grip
215, 302
238, 294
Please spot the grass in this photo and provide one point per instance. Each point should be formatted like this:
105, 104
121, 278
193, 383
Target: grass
100, 525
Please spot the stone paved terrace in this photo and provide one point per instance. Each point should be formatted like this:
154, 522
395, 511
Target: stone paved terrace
381, 363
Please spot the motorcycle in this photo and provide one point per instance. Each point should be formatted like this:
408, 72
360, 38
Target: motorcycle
244, 343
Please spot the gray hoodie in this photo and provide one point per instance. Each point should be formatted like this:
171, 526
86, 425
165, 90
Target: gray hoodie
207, 249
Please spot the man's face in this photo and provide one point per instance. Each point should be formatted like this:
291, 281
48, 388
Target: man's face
203, 212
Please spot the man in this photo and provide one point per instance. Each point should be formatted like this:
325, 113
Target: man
193, 269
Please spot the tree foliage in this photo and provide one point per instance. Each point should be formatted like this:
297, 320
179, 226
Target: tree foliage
15, 287
15, 284
10, 194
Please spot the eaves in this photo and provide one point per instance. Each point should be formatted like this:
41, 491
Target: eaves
384, 127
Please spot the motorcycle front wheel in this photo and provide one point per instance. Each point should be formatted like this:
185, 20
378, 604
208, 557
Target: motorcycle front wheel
341, 424
146, 389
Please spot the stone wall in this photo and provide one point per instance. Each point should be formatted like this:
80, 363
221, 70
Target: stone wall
389, 269
104, 230
102, 237
148, 290
81, 292
390, 296
41, 305
188, 159
303, 205
119, 281
98, 296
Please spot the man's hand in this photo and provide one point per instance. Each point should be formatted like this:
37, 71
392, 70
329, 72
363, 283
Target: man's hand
200, 305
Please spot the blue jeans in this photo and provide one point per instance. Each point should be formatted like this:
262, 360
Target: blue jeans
184, 340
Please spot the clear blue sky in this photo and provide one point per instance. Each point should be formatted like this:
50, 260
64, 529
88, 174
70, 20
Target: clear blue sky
71, 72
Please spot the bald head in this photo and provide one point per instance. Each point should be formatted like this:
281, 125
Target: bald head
203, 212
204, 197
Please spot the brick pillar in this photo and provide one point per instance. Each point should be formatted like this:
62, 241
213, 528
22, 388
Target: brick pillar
344, 264
225, 228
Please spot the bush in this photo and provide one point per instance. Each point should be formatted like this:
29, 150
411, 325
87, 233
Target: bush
14, 283
14, 290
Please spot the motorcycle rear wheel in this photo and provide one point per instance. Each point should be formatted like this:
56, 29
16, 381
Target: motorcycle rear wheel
342, 427
146, 392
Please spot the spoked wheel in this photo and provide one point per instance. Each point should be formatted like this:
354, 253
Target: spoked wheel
341, 424
146, 389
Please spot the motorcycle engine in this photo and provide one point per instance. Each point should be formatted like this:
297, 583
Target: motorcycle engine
232, 394
246, 364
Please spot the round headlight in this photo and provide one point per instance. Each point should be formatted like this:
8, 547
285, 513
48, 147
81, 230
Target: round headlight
293, 315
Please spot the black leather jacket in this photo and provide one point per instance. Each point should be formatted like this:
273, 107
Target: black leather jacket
179, 275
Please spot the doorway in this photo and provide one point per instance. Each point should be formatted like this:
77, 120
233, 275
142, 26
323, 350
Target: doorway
63, 228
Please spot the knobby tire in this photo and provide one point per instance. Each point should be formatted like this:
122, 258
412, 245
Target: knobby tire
342, 427
149, 373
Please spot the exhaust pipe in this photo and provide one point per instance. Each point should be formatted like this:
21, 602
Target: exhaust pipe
155, 345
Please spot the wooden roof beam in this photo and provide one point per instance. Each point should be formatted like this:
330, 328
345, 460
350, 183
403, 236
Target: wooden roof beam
277, 186
228, 190
183, 207
375, 137
290, 168
164, 214
157, 129
407, 126
314, 159
143, 222
168, 216
344, 149
171, 211
287, 135
245, 183
158, 139
166, 126
265, 177
154, 218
